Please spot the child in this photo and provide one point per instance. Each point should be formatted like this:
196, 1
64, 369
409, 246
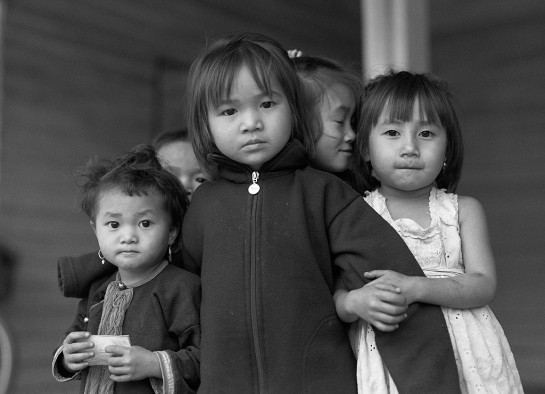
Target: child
176, 152
136, 210
409, 153
270, 234
335, 96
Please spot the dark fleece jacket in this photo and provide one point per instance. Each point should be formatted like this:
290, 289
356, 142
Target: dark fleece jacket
268, 263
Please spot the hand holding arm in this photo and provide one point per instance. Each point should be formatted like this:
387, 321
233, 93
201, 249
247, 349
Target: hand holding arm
380, 304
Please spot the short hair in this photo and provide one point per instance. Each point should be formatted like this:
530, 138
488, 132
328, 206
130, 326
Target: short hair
135, 173
398, 91
211, 77
166, 137
318, 74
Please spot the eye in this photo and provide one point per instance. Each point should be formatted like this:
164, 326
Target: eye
145, 223
391, 133
229, 112
201, 180
267, 104
112, 225
426, 133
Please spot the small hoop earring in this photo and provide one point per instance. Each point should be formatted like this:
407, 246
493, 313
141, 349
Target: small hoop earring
101, 257
169, 253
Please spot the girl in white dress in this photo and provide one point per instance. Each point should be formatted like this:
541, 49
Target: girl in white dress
408, 160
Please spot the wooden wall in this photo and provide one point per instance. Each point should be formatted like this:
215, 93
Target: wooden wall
84, 78
493, 55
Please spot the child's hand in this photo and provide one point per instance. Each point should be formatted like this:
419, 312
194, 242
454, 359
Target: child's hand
132, 363
401, 281
76, 351
380, 304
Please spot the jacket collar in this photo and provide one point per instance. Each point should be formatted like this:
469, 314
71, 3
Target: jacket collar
292, 157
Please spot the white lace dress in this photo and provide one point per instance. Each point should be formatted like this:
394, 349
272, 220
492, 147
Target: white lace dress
483, 356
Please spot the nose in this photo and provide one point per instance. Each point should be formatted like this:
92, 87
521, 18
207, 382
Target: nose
129, 236
187, 184
410, 146
251, 121
349, 134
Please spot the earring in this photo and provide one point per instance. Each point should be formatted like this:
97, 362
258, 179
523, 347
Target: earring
101, 257
445, 164
169, 253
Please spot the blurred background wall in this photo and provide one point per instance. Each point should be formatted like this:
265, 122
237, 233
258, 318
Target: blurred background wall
98, 77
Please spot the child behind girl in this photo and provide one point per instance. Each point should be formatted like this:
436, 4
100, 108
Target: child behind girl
335, 97
136, 210
174, 149
409, 155
270, 235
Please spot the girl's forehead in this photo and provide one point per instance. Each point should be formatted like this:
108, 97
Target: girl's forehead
241, 79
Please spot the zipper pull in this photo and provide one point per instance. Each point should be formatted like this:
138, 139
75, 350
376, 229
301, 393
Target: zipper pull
254, 187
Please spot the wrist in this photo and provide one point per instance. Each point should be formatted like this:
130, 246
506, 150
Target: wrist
416, 285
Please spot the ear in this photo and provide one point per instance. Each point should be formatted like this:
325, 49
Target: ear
172, 234
93, 225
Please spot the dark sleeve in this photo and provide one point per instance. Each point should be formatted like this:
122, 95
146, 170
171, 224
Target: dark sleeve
182, 316
76, 274
361, 241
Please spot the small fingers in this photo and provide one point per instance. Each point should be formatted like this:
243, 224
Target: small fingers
387, 287
76, 336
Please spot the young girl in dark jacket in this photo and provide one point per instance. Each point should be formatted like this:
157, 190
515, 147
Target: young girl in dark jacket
271, 236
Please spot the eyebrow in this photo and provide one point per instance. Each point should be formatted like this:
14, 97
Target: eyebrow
139, 213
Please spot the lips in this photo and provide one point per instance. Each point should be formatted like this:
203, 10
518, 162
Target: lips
128, 252
253, 142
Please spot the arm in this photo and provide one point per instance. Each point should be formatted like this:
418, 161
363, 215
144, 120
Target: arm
76, 274
474, 288
71, 357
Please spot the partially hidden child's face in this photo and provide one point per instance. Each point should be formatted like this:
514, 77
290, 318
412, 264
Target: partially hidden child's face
179, 158
133, 232
251, 126
333, 149
406, 155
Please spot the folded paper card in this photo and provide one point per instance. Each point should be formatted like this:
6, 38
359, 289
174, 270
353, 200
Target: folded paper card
101, 341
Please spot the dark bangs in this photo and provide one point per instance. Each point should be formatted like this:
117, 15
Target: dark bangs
222, 74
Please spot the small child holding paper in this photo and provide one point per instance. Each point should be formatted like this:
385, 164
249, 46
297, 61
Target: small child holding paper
136, 210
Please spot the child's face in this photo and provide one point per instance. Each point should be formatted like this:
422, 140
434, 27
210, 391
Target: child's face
406, 156
250, 126
133, 232
334, 145
180, 160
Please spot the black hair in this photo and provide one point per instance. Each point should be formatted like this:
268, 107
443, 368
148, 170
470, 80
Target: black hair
135, 173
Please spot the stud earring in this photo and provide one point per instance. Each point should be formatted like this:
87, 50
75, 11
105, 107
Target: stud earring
445, 164
169, 253
101, 257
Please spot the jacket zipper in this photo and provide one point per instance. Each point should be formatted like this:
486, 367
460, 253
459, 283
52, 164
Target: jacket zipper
254, 189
